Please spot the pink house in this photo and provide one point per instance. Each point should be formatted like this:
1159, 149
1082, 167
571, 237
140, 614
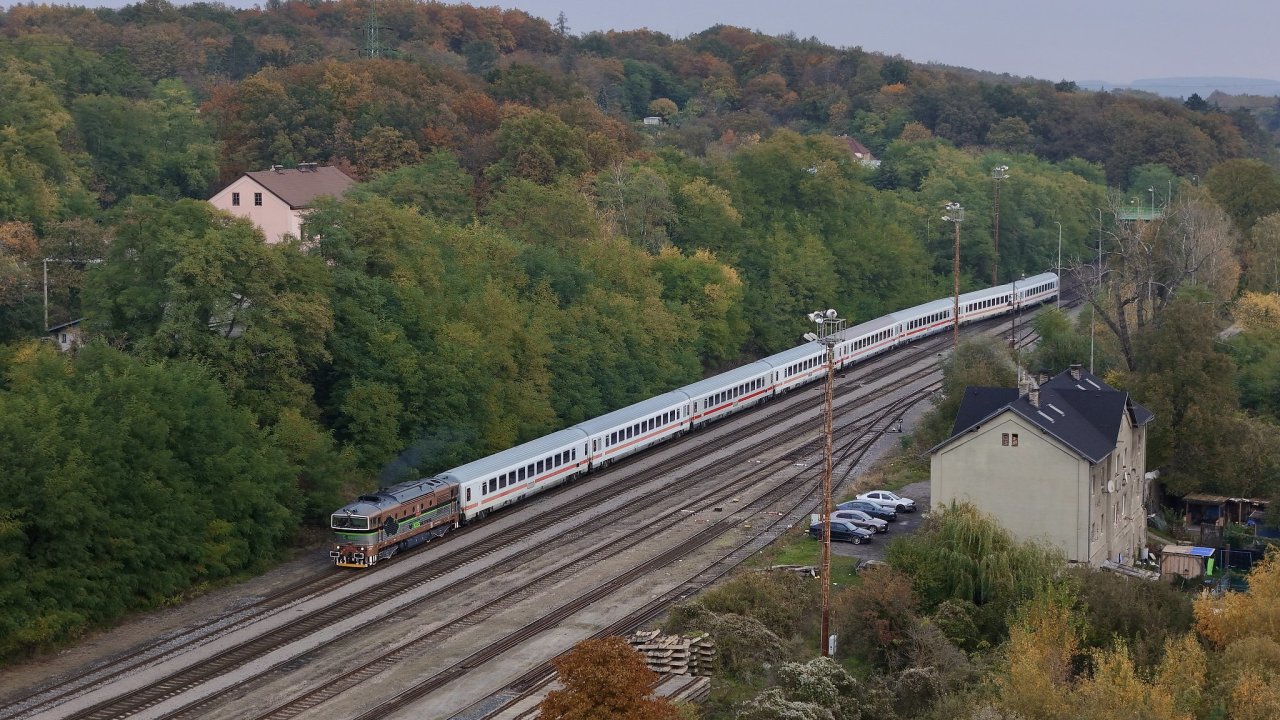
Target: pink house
276, 199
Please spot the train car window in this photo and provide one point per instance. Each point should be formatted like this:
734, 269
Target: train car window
538, 470
484, 488
468, 494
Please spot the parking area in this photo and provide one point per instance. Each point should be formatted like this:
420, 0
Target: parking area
906, 523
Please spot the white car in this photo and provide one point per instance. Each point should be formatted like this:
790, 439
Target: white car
889, 501
861, 519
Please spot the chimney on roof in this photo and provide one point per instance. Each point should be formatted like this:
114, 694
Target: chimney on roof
306, 167
1042, 376
1033, 395
1075, 371
277, 168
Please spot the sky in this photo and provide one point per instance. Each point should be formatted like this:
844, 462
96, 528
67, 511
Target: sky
1118, 41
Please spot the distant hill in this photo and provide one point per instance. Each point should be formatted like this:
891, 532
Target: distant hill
1183, 87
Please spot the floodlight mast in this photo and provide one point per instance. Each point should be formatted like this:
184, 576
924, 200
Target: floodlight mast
828, 333
998, 173
955, 214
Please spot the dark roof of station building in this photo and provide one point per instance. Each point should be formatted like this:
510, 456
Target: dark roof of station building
980, 403
1075, 407
300, 186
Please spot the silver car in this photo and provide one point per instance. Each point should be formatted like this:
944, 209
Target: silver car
861, 519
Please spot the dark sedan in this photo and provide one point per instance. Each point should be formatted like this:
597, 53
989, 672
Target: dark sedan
842, 532
869, 508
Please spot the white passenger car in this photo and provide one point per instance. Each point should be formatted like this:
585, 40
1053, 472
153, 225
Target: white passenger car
889, 501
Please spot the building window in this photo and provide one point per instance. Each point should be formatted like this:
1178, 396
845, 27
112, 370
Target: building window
1004, 439
1013, 439
257, 199
235, 199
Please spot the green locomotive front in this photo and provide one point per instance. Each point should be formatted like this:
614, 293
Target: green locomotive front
396, 518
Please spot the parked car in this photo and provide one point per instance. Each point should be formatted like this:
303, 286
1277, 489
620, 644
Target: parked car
886, 499
870, 508
860, 519
843, 532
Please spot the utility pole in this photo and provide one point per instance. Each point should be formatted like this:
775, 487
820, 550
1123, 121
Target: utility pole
998, 173
955, 214
1058, 269
1093, 321
829, 325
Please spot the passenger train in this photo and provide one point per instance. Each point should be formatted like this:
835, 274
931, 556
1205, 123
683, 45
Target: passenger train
380, 524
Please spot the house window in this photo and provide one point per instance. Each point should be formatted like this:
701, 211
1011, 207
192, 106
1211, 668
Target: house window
235, 199
1013, 439
1004, 439
257, 199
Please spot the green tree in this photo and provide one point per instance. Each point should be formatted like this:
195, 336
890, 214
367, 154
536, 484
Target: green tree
1246, 189
875, 617
1201, 441
1060, 344
962, 554
1260, 255
39, 179
637, 201
975, 363
158, 146
538, 146
182, 281
108, 522
436, 186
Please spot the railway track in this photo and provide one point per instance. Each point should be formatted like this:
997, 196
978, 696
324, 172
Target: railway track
465, 552
401, 586
796, 497
655, 530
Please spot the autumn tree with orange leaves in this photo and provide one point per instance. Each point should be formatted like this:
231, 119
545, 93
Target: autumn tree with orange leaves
605, 679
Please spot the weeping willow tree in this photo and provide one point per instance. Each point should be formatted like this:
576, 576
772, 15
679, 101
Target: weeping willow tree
963, 554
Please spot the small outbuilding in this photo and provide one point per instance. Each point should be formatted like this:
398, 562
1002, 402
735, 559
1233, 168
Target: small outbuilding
68, 335
1187, 561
